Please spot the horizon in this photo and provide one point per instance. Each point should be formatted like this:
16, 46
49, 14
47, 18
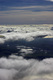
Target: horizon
24, 24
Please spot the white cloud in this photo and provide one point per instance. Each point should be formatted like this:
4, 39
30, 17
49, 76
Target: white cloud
27, 33
26, 51
21, 69
7, 74
15, 57
50, 0
25, 36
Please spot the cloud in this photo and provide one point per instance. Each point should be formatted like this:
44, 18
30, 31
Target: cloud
36, 8
26, 17
25, 51
26, 40
11, 8
8, 5
18, 68
23, 36
7, 74
22, 2
50, 0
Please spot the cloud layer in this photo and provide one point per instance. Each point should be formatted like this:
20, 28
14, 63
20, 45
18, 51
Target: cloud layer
24, 32
27, 40
30, 42
24, 12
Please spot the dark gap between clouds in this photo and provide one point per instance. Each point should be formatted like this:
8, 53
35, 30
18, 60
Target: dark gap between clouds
42, 48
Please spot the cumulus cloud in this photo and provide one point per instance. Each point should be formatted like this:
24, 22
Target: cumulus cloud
24, 33
15, 68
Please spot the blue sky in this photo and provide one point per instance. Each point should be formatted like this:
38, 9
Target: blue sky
26, 11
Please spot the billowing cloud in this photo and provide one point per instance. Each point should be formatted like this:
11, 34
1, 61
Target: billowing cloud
27, 36
15, 68
27, 33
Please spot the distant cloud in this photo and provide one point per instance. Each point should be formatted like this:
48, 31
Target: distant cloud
33, 8
11, 8
29, 36
50, 0
26, 17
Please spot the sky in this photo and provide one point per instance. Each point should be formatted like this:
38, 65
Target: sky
26, 12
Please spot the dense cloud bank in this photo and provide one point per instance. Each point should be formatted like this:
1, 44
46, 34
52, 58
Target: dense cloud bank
17, 68
28, 33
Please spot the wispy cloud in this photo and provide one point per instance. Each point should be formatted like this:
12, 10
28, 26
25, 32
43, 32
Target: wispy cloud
26, 17
34, 8
24, 8
31, 8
